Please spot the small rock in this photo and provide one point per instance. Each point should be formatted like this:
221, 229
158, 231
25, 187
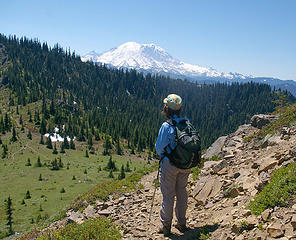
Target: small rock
265, 214
275, 229
89, 212
293, 222
104, 212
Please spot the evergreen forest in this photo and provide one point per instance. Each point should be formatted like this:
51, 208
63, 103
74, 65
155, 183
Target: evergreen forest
90, 99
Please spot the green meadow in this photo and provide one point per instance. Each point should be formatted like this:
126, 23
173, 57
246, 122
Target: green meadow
51, 191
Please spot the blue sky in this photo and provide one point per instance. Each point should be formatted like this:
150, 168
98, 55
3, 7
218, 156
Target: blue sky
252, 37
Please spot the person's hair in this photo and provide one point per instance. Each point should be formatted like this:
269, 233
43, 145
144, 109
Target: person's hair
168, 112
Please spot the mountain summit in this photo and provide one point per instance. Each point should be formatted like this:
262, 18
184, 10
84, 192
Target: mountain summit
152, 58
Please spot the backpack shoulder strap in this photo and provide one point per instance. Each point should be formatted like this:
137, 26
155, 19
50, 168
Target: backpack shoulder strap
171, 122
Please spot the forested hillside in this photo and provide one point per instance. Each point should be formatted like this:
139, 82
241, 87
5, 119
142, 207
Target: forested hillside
90, 99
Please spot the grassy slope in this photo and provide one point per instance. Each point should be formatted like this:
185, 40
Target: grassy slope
16, 178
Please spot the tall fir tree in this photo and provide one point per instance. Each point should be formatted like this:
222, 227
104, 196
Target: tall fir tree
9, 215
13, 138
48, 143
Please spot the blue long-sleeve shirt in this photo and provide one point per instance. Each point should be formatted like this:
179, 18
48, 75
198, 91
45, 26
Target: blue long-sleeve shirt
166, 136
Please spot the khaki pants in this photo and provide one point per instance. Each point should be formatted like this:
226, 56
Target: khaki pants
173, 183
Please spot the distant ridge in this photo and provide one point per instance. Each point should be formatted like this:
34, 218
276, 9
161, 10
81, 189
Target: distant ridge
150, 58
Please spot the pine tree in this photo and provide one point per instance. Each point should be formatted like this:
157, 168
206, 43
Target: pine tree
29, 135
72, 145
111, 174
38, 164
111, 165
48, 143
97, 136
13, 138
41, 139
30, 117
118, 148
7, 122
54, 165
28, 195
86, 153
0, 141
9, 215
62, 148
40, 177
42, 129
28, 163
66, 143
55, 151
21, 120
61, 165
89, 141
5, 151
127, 168
122, 173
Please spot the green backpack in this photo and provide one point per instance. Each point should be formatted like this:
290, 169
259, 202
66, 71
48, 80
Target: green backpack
187, 153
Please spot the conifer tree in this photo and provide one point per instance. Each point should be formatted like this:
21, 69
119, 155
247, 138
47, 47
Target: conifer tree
72, 145
118, 148
29, 135
28, 195
111, 174
62, 148
122, 173
40, 177
5, 150
55, 151
41, 139
86, 153
7, 122
38, 164
28, 163
66, 143
21, 120
89, 141
54, 165
61, 165
127, 168
9, 215
0, 141
42, 128
97, 136
30, 117
13, 138
48, 143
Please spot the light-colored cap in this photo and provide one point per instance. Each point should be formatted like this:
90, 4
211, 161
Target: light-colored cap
173, 101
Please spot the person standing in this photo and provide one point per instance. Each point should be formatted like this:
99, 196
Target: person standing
173, 180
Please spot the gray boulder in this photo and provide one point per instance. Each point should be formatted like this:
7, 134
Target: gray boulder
216, 148
260, 120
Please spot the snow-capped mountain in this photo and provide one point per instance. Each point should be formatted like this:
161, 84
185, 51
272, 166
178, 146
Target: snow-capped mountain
152, 58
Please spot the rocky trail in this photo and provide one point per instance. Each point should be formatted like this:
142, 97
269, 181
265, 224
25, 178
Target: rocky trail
218, 200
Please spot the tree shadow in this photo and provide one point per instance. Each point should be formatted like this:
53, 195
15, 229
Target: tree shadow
196, 233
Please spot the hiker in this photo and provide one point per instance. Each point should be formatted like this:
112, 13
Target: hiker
172, 180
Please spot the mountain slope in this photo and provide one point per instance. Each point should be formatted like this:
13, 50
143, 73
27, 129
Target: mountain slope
150, 58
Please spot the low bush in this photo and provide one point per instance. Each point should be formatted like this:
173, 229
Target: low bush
92, 229
278, 191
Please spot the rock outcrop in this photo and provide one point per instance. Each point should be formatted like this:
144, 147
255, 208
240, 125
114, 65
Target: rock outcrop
218, 200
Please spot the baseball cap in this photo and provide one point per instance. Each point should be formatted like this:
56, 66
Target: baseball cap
173, 101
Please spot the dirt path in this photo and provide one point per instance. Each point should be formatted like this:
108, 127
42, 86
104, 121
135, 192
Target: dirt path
134, 214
